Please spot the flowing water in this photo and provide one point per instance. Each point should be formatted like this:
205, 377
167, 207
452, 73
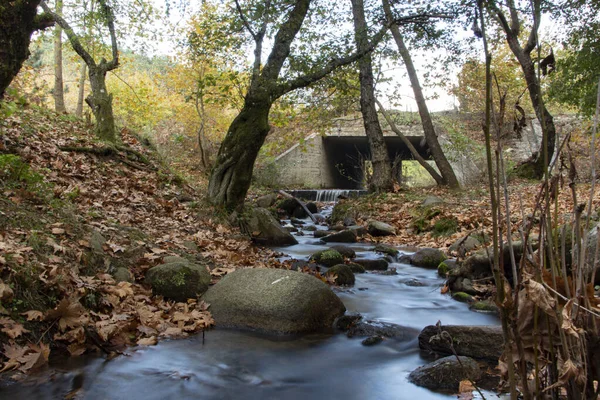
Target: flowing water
228, 364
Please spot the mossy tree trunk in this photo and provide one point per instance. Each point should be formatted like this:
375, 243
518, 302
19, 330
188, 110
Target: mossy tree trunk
381, 181
18, 20
99, 99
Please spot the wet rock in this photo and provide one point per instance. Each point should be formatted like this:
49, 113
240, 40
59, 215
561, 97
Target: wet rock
291, 229
391, 271
360, 230
462, 285
349, 221
464, 245
328, 257
446, 267
301, 264
378, 228
373, 265
413, 282
405, 258
462, 297
344, 322
299, 212
445, 373
274, 301
287, 205
481, 342
345, 276
296, 221
178, 279
312, 207
386, 249
382, 329
265, 229
428, 258
310, 228
345, 251
372, 341
345, 236
356, 268
485, 307
319, 233
267, 200
337, 228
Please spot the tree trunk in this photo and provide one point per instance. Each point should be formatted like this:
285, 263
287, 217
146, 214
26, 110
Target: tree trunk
536, 162
81, 94
100, 102
382, 168
448, 176
58, 92
231, 176
18, 20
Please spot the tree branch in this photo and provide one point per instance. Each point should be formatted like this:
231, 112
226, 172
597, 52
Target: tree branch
110, 22
73, 38
244, 20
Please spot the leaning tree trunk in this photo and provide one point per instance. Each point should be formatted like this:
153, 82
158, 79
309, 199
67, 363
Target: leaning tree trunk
382, 167
81, 92
18, 20
448, 175
536, 162
58, 92
232, 174
100, 102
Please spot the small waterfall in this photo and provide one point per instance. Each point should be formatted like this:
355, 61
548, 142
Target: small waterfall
325, 195
332, 195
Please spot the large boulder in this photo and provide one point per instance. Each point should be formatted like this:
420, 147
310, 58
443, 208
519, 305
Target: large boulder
481, 342
378, 228
386, 249
345, 236
344, 274
178, 279
346, 251
373, 265
288, 205
445, 373
264, 229
464, 245
274, 301
267, 200
328, 258
428, 258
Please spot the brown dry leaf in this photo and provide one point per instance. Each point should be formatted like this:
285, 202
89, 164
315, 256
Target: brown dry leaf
538, 294
37, 358
172, 332
33, 315
76, 349
11, 328
444, 289
70, 314
567, 371
10, 365
58, 231
150, 341
567, 324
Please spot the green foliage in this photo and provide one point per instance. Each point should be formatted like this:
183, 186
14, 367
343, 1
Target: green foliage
422, 218
445, 227
17, 174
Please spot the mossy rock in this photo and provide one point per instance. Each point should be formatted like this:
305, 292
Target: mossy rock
344, 273
484, 307
356, 268
386, 249
443, 269
178, 280
345, 251
341, 210
462, 297
328, 257
287, 205
428, 258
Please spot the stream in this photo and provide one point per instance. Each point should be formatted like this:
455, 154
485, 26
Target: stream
228, 364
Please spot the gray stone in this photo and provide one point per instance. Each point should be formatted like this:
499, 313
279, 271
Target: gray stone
432, 201
349, 221
360, 230
287, 205
464, 285
123, 274
344, 274
372, 341
319, 233
413, 282
310, 228
265, 230
273, 300
299, 212
378, 228
445, 373
345, 236
344, 250
428, 258
312, 207
328, 257
297, 221
178, 280
373, 265
383, 329
463, 245
191, 246
97, 242
386, 249
267, 200
405, 259
481, 342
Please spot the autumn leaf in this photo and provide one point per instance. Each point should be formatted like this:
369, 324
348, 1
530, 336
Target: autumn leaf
150, 341
69, 313
37, 358
11, 328
33, 315
6, 293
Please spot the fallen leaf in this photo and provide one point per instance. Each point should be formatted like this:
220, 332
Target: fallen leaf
33, 315
70, 314
151, 341
11, 328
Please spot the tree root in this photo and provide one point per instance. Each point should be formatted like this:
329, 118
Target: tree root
131, 158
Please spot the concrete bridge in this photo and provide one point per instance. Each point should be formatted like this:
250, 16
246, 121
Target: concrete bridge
338, 158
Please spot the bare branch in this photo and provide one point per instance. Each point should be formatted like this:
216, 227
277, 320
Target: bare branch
245, 20
110, 22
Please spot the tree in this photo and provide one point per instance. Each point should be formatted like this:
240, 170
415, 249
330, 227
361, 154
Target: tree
232, 173
18, 21
58, 92
100, 100
512, 26
447, 173
382, 169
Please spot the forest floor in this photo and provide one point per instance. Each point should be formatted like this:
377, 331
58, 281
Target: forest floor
74, 212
